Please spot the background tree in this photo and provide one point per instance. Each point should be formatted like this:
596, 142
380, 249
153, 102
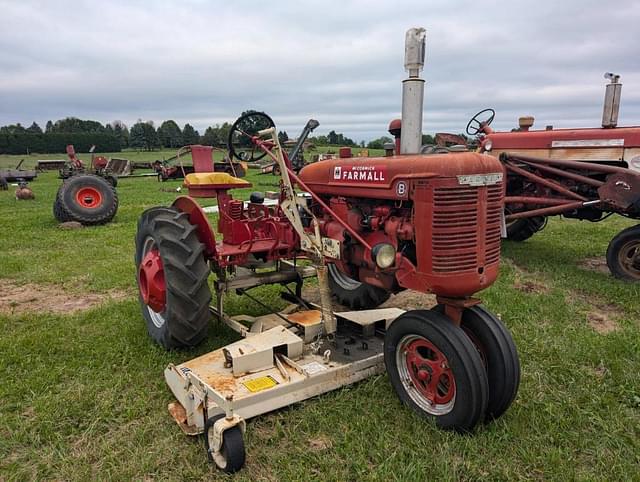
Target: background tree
143, 136
282, 137
49, 127
190, 136
170, 134
379, 143
34, 129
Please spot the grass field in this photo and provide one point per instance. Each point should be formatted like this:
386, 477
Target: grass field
83, 396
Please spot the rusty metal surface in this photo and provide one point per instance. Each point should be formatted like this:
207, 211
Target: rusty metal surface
622, 191
179, 414
307, 317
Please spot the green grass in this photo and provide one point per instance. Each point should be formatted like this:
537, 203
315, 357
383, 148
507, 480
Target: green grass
83, 396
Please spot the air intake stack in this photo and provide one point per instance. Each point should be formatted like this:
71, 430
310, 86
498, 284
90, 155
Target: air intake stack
611, 100
412, 92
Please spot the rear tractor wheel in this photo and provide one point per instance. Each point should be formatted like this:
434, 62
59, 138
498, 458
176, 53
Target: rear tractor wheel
86, 198
522, 229
623, 254
172, 278
435, 370
354, 294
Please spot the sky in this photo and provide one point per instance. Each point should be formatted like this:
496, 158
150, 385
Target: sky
340, 62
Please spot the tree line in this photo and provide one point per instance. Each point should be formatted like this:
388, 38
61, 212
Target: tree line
115, 136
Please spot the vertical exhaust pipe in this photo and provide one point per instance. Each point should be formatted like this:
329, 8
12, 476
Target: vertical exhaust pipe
412, 92
611, 101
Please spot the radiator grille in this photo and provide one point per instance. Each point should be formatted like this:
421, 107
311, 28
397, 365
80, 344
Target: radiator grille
461, 241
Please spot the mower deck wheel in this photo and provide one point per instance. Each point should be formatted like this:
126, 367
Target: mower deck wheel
172, 278
435, 370
354, 294
623, 254
231, 457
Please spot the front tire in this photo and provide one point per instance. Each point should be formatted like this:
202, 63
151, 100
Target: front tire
354, 294
623, 254
172, 278
435, 370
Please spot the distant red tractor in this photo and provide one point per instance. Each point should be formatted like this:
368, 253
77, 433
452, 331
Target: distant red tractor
585, 174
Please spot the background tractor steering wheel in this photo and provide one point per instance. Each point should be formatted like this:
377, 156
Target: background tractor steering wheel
475, 125
239, 141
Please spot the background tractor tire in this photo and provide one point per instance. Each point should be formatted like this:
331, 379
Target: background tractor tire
61, 215
623, 254
523, 229
88, 199
355, 294
184, 319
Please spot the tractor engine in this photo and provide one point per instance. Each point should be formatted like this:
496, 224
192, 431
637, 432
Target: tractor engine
432, 223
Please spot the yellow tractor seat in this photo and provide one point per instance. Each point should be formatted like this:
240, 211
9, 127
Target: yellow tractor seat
206, 184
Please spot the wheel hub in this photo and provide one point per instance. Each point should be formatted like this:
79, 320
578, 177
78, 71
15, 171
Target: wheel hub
429, 372
89, 197
151, 281
629, 258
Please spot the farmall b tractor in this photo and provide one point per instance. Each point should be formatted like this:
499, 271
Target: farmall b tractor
370, 227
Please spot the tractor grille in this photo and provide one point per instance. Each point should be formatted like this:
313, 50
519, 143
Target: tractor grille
466, 227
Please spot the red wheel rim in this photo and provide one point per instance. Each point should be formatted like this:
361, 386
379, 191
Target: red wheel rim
89, 197
430, 372
151, 281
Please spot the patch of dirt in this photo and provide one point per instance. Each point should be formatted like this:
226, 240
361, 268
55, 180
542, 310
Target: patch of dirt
602, 321
406, 300
597, 264
530, 286
70, 225
601, 316
319, 444
17, 298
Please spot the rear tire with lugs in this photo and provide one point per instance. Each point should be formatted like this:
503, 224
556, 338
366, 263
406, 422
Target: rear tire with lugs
523, 229
172, 278
354, 294
88, 199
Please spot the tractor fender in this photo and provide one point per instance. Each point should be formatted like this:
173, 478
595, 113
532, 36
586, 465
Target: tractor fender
198, 218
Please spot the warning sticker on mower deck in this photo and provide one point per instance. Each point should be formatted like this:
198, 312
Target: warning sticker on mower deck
313, 367
360, 173
259, 384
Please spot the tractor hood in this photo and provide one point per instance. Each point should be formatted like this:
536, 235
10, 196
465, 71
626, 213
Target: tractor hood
390, 177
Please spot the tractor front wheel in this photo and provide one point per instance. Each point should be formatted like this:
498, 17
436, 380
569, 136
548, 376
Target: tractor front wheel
498, 353
354, 294
623, 254
435, 370
172, 278
231, 457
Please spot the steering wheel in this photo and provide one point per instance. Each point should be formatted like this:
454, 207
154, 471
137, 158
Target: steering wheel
240, 135
475, 125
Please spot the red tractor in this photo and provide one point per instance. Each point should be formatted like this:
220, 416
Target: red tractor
585, 174
370, 227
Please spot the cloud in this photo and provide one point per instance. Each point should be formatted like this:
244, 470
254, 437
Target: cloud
340, 62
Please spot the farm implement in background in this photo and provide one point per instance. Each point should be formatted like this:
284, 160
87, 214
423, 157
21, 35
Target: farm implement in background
367, 228
201, 161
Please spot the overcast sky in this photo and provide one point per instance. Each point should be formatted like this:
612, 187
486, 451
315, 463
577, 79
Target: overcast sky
341, 62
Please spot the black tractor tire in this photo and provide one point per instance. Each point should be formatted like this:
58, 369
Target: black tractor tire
522, 229
111, 179
461, 410
184, 321
61, 215
623, 254
232, 452
99, 206
499, 356
354, 294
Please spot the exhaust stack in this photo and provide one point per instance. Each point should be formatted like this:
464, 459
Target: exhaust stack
611, 101
412, 92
